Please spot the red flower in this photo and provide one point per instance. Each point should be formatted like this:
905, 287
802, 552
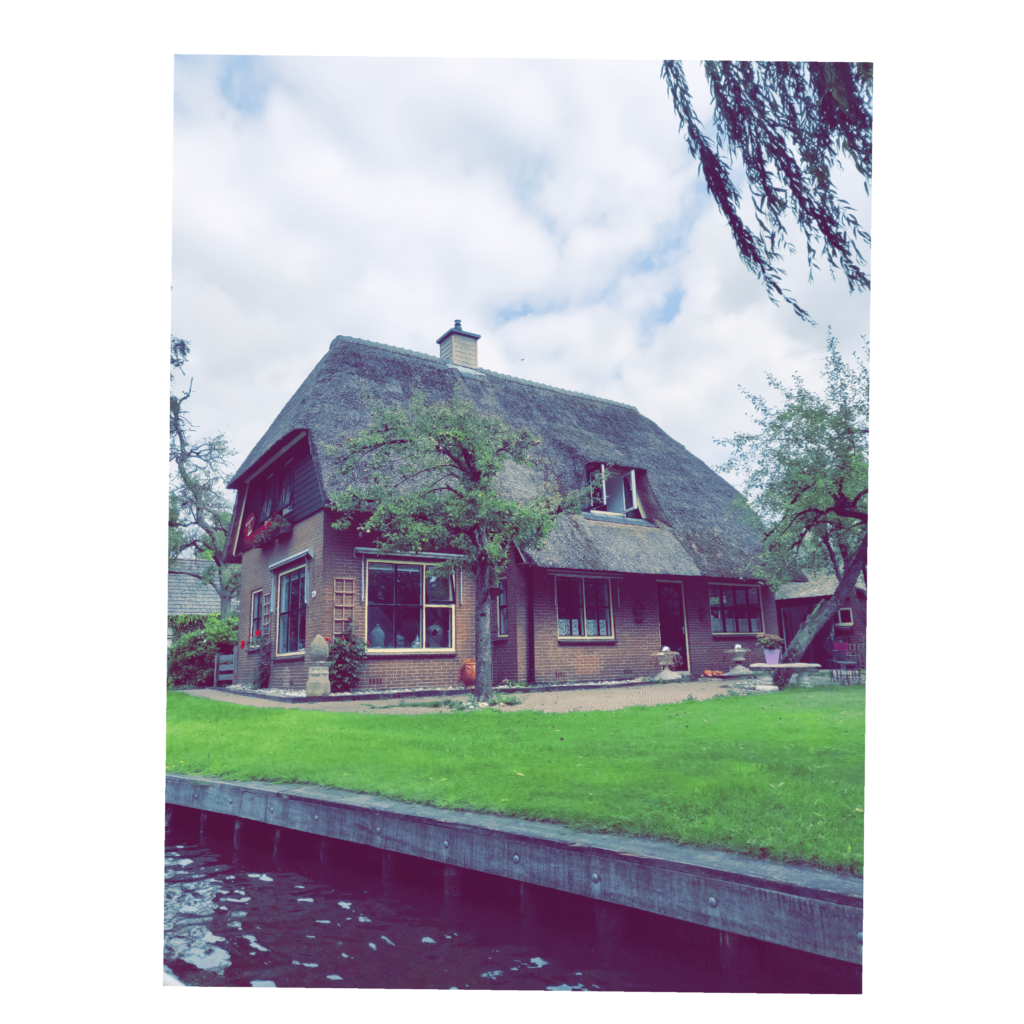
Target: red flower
241, 643
257, 632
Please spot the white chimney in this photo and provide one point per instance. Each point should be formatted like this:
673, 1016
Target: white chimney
459, 346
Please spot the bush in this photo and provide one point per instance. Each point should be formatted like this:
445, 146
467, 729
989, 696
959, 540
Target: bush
194, 654
344, 658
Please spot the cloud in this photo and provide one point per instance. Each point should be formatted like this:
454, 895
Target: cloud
551, 205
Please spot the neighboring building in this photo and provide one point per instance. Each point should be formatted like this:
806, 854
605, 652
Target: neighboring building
795, 601
658, 560
187, 595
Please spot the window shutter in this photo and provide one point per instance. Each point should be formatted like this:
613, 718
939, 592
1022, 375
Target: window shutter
629, 498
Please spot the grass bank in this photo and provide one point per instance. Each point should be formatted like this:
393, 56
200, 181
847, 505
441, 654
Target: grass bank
779, 775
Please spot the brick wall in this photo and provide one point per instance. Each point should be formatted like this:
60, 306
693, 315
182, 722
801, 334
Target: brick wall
401, 669
289, 669
711, 650
509, 654
629, 655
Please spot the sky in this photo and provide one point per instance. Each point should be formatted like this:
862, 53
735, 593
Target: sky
551, 205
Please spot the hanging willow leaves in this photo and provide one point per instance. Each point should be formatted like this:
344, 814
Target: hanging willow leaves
790, 123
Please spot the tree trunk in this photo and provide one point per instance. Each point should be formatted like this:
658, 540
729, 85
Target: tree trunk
824, 612
482, 689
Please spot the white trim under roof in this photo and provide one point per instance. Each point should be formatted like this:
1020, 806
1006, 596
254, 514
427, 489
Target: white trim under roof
261, 466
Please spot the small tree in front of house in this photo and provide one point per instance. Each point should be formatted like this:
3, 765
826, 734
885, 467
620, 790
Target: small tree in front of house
426, 478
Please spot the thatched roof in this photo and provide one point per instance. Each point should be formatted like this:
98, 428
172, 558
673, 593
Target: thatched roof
187, 595
692, 527
822, 584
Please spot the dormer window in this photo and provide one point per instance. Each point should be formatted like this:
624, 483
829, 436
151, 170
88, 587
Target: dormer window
613, 489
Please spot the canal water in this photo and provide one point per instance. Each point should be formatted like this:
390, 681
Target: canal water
304, 916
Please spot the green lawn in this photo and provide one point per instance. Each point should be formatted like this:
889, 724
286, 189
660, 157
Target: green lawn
778, 775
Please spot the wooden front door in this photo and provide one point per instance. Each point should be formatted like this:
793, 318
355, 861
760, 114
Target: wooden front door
673, 622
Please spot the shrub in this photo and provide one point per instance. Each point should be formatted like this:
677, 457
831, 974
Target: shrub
194, 654
344, 658
263, 665
182, 624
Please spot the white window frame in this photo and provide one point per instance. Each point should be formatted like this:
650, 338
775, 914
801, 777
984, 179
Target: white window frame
279, 587
618, 477
844, 618
583, 638
424, 567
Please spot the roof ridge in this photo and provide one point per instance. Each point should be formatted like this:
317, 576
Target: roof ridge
380, 344
481, 369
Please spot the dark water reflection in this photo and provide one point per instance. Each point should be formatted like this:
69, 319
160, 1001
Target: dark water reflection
255, 918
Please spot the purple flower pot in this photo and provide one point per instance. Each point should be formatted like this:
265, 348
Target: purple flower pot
772, 655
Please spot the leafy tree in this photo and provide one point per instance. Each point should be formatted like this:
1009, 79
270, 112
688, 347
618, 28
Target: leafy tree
199, 511
426, 478
790, 122
805, 477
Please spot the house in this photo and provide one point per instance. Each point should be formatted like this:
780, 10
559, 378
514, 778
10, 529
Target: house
795, 601
659, 559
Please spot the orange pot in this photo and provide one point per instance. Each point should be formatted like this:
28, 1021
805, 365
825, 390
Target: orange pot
467, 674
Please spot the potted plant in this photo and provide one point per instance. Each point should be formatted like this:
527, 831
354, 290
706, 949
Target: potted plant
772, 646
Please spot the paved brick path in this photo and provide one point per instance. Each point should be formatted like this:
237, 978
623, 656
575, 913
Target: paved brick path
621, 696
553, 701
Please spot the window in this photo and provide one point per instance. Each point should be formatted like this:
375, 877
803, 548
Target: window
409, 606
584, 608
276, 494
844, 617
291, 612
613, 489
256, 621
501, 609
735, 609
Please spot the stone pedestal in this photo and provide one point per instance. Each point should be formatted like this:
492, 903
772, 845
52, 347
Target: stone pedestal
666, 659
737, 670
318, 682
